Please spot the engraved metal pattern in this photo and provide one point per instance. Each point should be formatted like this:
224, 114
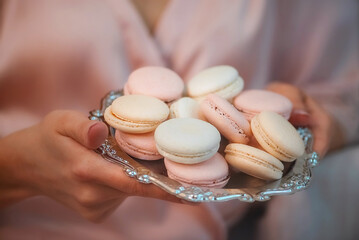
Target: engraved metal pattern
296, 179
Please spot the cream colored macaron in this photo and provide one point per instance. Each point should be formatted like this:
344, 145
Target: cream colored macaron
187, 140
221, 80
277, 136
253, 161
136, 113
185, 107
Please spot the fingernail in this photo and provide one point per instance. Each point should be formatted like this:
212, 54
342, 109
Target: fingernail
93, 125
300, 112
96, 135
300, 118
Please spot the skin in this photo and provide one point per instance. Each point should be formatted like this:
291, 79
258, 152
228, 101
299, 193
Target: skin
307, 112
59, 161
55, 159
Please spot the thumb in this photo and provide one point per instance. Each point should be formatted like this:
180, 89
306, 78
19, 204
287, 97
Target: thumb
300, 114
77, 126
96, 134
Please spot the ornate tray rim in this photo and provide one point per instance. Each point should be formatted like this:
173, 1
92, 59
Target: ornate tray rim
297, 179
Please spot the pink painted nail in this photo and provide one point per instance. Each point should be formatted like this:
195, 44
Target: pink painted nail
300, 112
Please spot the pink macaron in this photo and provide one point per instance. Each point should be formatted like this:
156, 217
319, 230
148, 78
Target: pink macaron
226, 118
158, 82
212, 173
253, 102
142, 146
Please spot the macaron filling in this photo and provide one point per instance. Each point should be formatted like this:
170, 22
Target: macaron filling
268, 141
251, 114
128, 91
255, 101
254, 159
166, 152
132, 123
139, 150
248, 114
226, 91
207, 183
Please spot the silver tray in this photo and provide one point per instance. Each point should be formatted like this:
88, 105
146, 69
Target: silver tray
297, 175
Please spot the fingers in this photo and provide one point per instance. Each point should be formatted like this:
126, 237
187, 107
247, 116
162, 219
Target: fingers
306, 112
114, 176
151, 191
299, 115
97, 134
76, 126
300, 118
92, 167
117, 179
321, 126
294, 94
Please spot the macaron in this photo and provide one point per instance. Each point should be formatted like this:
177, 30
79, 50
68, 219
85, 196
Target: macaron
158, 82
136, 113
252, 102
253, 161
277, 136
212, 173
142, 146
226, 118
185, 107
187, 140
221, 80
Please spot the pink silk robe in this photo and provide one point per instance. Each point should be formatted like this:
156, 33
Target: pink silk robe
68, 54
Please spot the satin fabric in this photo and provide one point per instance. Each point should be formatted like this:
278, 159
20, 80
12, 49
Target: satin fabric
68, 54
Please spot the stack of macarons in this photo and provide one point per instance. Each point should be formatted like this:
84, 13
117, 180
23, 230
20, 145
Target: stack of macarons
136, 117
159, 117
190, 147
144, 106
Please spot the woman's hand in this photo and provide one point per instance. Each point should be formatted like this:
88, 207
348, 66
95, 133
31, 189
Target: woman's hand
307, 112
55, 158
